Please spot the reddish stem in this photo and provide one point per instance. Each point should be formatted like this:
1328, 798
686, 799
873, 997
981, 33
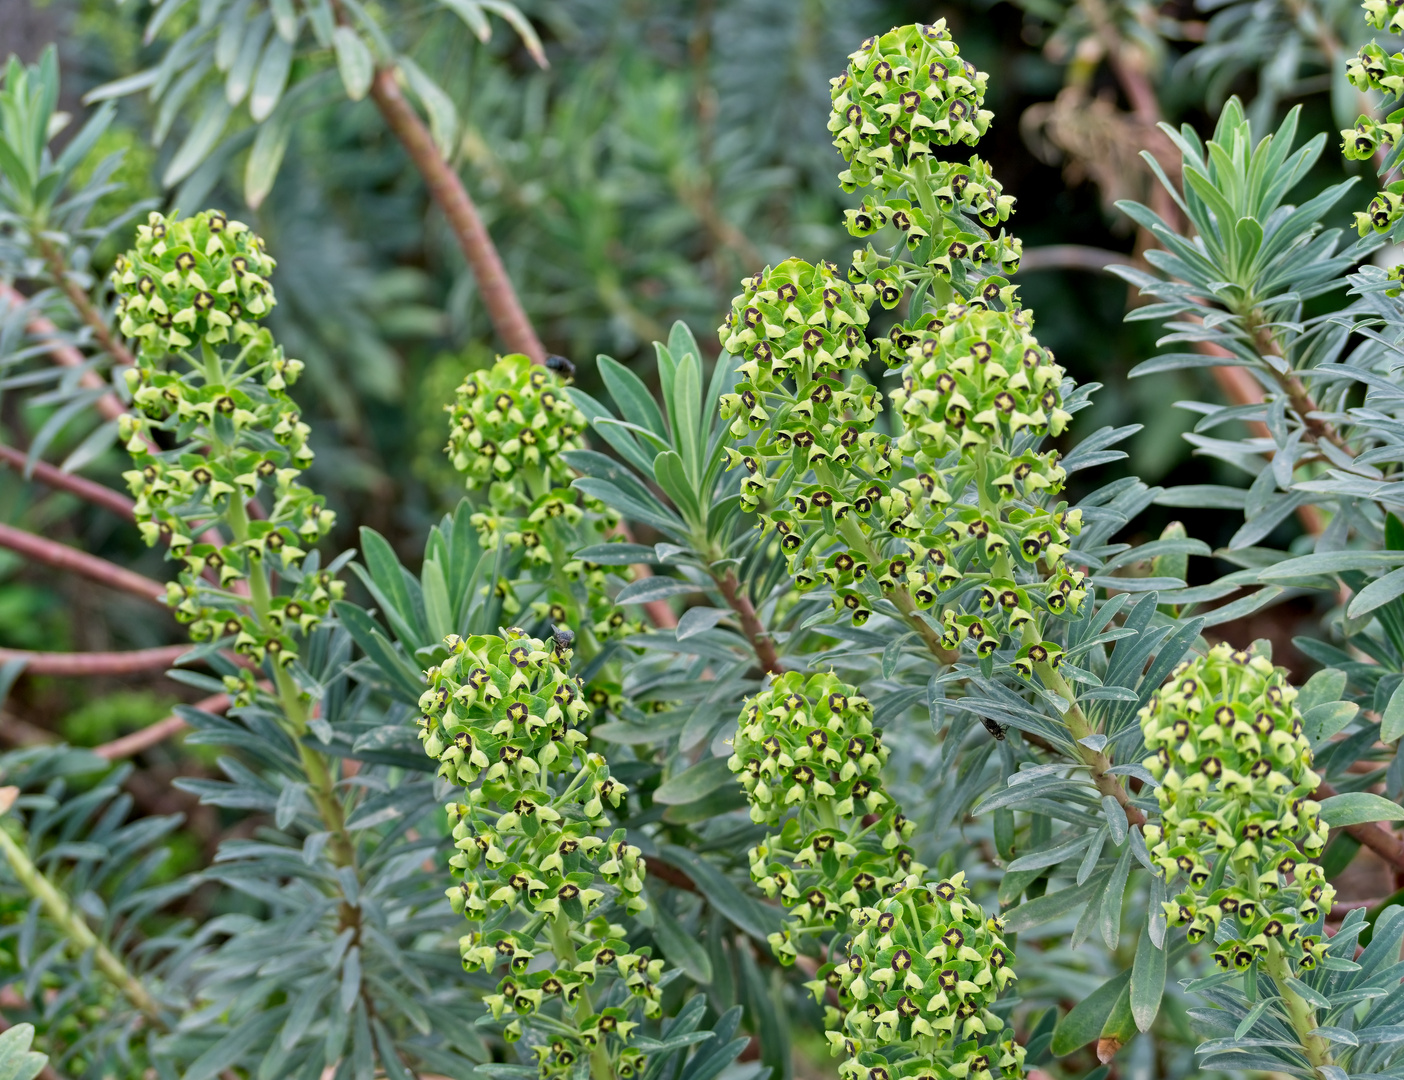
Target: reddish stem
63, 557
760, 639
97, 494
95, 663
1242, 389
66, 355
133, 744
447, 190
83, 304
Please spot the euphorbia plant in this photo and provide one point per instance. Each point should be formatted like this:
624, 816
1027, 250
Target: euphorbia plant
522, 834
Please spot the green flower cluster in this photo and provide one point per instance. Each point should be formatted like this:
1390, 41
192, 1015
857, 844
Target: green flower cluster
808, 756
977, 395
798, 322
1374, 69
510, 427
1237, 821
954, 501
953, 508
1384, 15
204, 279
514, 417
924, 968
923, 963
541, 868
189, 293
902, 95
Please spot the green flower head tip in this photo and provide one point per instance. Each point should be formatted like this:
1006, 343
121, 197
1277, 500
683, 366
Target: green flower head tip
797, 321
198, 279
924, 967
1237, 823
513, 417
904, 94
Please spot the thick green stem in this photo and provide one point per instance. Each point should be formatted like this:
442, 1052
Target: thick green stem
900, 597
1301, 1014
1097, 761
321, 784
75, 928
564, 948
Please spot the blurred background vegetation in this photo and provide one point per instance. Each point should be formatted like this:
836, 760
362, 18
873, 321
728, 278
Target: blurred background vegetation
670, 147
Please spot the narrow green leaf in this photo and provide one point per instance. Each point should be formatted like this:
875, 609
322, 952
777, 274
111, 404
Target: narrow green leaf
1112, 901
201, 140
1326, 720
398, 672
696, 620
757, 919
384, 569
701, 779
271, 79
285, 19
1120, 1026
443, 116
1330, 562
1358, 807
241, 71
685, 414
266, 157
512, 16
1147, 980
354, 61
670, 471
1394, 532
722, 801
892, 653
618, 554
1325, 686
1052, 856
472, 16
1085, 1022
679, 946
1392, 722
1376, 594
1046, 908
653, 588
438, 610
243, 1042
635, 403
765, 1007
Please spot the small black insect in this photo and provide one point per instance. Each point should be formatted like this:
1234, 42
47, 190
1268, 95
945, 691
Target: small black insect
561, 366
993, 728
564, 640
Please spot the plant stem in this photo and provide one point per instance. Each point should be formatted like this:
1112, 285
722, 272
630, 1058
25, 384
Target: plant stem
901, 598
320, 782
76, 929
1301, 1014
1266, 343
757, 634
504, 308
79, 664
1097, 761
63, 557
564, 948
97, 494
81, 301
